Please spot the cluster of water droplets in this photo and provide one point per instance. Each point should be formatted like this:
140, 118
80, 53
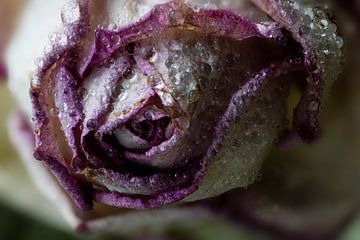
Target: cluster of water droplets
183, 70
246, 140
63, 38
190, 64
316, 25
320, 30
70, 13
317, 21
132, 87
314, 28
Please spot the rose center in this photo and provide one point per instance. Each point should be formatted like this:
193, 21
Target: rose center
152, 131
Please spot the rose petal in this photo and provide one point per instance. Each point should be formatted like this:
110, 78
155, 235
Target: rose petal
312, 28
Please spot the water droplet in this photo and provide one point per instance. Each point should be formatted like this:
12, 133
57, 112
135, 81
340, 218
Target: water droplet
231, 60
329, 14
332, 28
91, 124
73, 114
307, 20
123, 96
114, 39
152, 181
41, 63
204, 68
304, 30
172, 17
70, 12
128, 73
54, 112
48, 48
185, 78
112, 26
169, 62
172, 74
130, 48
339, 42
319, 12
194, 96
174, 45
196, 8
52, 36
63, 40
35, 82
146, 52
203, 81
324, 23
148, 115
314, 106
37, 131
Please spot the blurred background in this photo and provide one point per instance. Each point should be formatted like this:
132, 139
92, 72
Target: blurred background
20, 208
311, 186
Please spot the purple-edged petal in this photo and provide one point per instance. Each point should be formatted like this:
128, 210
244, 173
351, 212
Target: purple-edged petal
23, 140
313, 29
51, 146
254, 118
69, 183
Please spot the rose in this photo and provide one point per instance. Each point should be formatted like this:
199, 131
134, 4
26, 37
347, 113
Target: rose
147, 118
80, 141
133, 117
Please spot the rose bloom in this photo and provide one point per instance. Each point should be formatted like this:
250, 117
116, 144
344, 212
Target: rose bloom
144, 112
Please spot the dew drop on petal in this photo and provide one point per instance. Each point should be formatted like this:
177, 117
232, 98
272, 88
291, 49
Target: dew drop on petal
146, 52
339, 42
185, 78
91, 124
128, 73
70, 13
314, 106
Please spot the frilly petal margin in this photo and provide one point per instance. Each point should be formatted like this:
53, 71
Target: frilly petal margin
22, 138
257, 123
161, 18
47, 144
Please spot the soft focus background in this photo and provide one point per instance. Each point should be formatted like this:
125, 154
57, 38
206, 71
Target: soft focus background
321, 180
19, 207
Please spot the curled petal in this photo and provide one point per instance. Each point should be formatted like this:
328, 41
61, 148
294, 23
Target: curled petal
314, 30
